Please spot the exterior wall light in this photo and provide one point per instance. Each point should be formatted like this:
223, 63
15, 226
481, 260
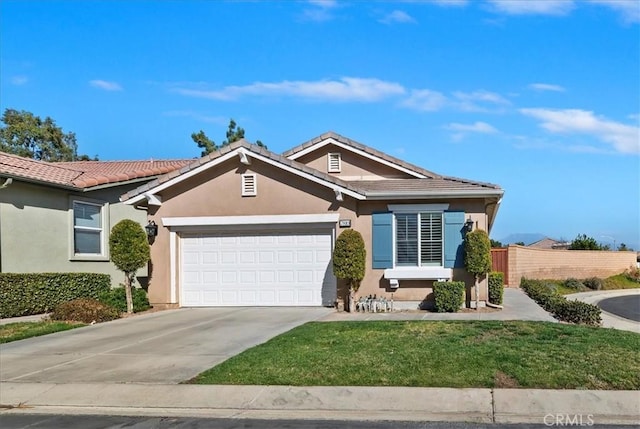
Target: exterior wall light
469, 225
152, 229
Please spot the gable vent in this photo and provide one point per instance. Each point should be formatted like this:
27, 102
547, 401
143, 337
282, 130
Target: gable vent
249, 185
334, 163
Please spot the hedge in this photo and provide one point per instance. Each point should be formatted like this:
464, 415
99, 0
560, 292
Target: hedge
36, 293
496, 287
117, 299
449, 296
556, 304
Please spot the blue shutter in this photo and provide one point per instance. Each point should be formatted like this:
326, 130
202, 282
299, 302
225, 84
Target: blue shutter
382, 240
453, 239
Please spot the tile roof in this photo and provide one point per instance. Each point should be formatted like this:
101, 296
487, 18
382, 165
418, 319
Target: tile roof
362, 147
424, 186
84, 174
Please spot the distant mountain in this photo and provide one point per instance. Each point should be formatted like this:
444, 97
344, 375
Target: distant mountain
526, 237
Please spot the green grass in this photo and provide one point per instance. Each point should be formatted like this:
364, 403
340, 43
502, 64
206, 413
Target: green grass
439, 354
619, 281
21, 330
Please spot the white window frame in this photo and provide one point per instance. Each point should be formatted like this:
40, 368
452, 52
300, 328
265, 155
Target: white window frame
104, 223
249, 192
330, 167
416, 209
419, 263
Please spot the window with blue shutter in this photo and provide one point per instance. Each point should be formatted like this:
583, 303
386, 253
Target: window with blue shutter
382, 240
454, 239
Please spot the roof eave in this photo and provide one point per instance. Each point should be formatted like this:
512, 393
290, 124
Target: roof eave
40, 182
433, 194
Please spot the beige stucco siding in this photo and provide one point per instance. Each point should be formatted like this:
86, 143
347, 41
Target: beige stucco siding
217, 192
354, 166
36, 229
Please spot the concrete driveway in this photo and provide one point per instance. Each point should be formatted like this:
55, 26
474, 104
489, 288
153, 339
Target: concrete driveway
163, 347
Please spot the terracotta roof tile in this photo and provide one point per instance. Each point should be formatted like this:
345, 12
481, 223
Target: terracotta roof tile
84, 174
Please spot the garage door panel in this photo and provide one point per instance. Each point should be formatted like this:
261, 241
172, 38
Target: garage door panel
277, 268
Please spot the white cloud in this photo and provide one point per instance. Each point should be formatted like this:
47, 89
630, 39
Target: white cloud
106, 85
320, 10
342, 90
629, 9
477, 101
425, 100
546, 87
19, 80
477, 127
624, 138
397, 17
532, 7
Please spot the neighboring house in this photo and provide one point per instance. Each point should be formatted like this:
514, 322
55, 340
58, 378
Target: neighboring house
56, 217
550, 243
244, 226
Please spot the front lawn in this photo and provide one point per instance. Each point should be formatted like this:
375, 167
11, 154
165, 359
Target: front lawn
439, 354
21, 330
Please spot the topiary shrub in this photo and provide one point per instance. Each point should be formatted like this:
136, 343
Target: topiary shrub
496, 287
36, 293
129, 252
572, 283
84, 310
117, 299
449, 296
477, 256
593, 283
349, 256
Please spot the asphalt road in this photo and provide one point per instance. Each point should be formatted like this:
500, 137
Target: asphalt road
24, 421
624, 306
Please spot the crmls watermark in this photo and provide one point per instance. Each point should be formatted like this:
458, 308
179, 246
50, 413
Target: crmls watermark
569, 420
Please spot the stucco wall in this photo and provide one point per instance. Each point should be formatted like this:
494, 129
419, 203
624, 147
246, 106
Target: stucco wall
562, 264
217, 192
36, 229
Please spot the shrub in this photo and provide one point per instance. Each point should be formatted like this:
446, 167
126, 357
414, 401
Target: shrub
86, 310
572, 283
130, 251
35, 293
496, 287
594, 283
477, 252
449, 296
349, 256
633, 274
558, 305
117, 299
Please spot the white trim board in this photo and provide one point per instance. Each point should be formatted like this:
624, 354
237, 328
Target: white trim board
250, 220
360, 152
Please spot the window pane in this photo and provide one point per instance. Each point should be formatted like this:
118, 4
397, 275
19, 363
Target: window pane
86, 215
431, 238
407, 239
87, 242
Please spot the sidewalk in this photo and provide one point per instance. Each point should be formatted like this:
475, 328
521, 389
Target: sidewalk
326, 403
33, 318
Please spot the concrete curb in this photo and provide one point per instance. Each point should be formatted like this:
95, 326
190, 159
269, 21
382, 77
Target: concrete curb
325, 403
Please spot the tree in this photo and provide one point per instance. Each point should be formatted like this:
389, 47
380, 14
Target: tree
520, 243
129, 252
495, 243
477, 256
584, 242
349, 259
623, 248
27, 135
234, 133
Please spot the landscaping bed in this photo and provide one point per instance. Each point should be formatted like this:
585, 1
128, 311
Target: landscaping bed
439, 354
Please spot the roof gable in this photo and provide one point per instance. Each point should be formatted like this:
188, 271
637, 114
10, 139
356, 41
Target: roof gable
244, 151
359, 149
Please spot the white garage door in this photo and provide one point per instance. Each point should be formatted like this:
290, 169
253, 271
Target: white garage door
257, 269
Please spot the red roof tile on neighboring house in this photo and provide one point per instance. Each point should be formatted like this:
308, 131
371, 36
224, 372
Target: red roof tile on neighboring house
84, 174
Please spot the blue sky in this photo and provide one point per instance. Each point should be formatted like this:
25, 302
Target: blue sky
540, 97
